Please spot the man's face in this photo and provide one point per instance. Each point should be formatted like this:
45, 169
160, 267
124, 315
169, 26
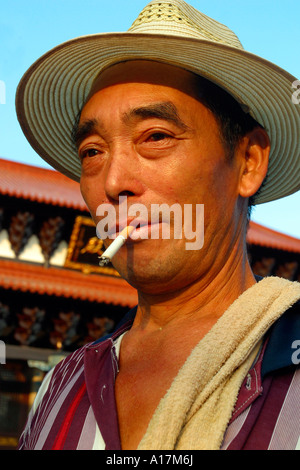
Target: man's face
144, 134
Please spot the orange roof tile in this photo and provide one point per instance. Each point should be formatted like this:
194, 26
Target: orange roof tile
264, 236
66, 283
39, 184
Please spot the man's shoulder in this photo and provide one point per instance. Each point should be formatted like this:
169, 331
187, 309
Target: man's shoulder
76, 356
265, 413
74, 363
64, 371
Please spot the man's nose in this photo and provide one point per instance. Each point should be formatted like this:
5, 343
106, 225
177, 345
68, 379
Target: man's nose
122, 174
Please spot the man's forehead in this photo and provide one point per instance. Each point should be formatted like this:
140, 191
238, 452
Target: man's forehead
146, 72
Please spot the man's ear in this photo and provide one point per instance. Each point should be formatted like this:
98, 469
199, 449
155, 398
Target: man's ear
253, 154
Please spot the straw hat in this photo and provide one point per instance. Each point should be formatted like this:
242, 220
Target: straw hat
52, 91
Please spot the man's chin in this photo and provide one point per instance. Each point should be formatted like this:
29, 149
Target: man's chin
154, 276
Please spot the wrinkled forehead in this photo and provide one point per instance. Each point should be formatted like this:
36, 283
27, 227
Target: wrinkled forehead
146, 72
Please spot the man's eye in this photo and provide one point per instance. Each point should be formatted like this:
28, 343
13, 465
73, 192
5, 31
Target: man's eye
88, 153
157, 136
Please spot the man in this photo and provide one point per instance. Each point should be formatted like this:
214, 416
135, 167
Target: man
162, 118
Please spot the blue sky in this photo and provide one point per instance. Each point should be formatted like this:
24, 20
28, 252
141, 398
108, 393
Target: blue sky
29, 28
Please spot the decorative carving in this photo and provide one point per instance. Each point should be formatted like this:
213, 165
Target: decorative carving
1, 218
30, 326
287, 270
264, 266
20, 230
50, 235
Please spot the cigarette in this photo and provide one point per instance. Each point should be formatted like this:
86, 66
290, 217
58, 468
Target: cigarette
108, 254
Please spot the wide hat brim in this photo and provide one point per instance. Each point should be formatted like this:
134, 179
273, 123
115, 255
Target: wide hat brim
52, 91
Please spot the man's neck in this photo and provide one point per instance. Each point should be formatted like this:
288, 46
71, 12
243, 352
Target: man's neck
199, 304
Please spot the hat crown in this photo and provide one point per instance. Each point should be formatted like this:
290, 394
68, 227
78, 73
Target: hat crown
181, 19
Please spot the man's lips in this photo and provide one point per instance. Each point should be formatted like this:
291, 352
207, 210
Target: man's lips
143, 229
115, 229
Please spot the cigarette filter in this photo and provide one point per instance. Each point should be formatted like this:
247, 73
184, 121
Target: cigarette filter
108, 254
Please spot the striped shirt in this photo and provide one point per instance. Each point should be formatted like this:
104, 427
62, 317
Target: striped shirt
75, 407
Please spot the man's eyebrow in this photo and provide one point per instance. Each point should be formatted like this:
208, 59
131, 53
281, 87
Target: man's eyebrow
162, 110
82, 130
165, 110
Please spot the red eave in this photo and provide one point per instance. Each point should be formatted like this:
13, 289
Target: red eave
39, 184
66, 283
264, 236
